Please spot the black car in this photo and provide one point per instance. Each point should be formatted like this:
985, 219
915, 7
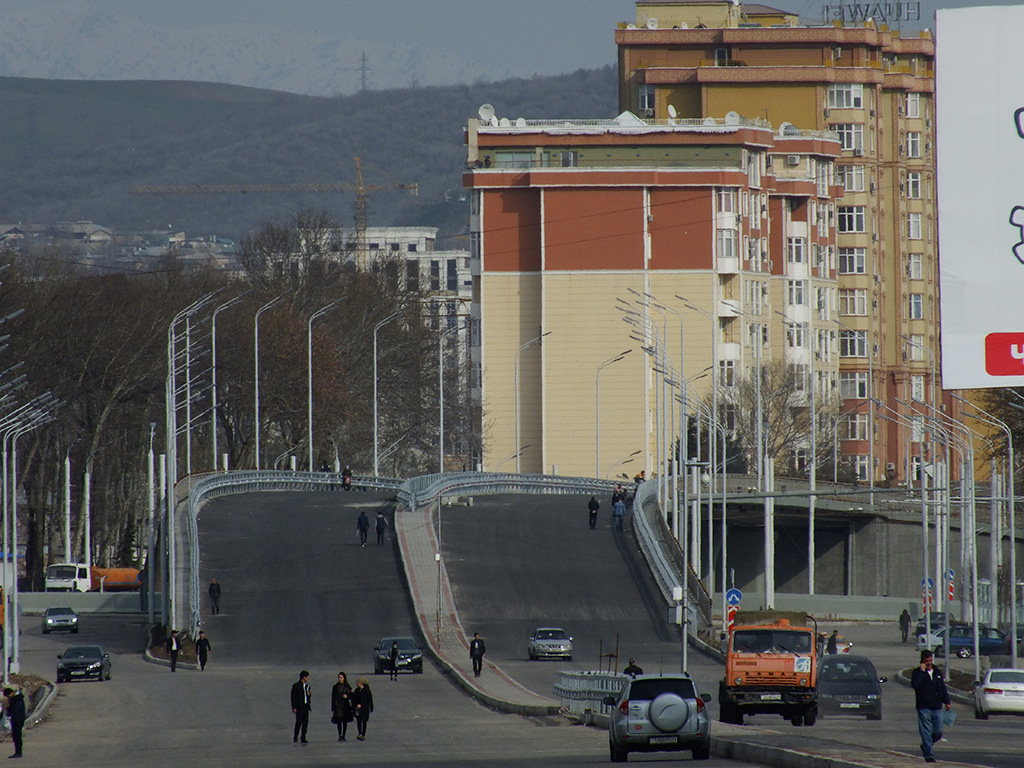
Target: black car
410, 655
83, 662
849, 685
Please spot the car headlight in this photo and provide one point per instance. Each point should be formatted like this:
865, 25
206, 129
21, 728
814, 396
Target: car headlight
95, 665
872, 696
803, 682
49, 620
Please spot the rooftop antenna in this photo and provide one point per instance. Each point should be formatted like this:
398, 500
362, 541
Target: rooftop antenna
364, 67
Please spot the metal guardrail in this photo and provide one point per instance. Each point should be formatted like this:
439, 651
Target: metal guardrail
581, 693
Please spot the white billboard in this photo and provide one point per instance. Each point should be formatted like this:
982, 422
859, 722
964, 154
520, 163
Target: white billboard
980, 135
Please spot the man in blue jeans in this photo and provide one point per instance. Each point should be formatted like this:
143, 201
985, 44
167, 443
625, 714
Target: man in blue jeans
930, 695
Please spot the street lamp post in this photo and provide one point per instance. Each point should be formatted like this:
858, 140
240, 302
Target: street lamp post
597, 417
213, 371
309, 369
440, 389
256, 378
530, 343
376, 426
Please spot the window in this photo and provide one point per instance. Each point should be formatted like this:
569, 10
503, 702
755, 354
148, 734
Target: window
860, 467
915, 347
721, 57
570, 159
915, 266
853, 385
852, 177
435, 275
917, 388
851, 261
452, 275
846, 96
727, 373
796, 293
474, 202
474, 245
726, 200
474, 331
851, 135
857, 426
915, 310
913, 105
754, 170
646, 98
853, 343
914, 226
412, 275
917, 430
755, 296
727, 243
796, 336
823, 173
853, 301
914, 185
913, 144
851, 218
514, 159
796, 250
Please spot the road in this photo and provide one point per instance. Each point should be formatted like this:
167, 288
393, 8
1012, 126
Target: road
300, 593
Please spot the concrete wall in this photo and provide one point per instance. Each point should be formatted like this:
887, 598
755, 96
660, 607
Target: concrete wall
83, 602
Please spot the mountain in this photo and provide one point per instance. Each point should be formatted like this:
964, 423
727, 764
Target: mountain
73, 150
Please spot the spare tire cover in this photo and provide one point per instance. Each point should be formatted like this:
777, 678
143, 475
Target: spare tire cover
669, 712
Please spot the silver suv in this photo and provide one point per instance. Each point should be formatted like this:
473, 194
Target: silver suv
659, 713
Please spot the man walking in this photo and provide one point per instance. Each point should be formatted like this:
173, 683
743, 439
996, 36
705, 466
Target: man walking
477, 649
619, 513
362, 527
930, 695
300, 706
202, 650
381, 526
214, 591
904, 624
173, 646
593, 505
15, 707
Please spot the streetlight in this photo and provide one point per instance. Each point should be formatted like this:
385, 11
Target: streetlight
440, 389
530, 343
309, 368
623, 462
376, 427
213, 369
597, 387
256, 360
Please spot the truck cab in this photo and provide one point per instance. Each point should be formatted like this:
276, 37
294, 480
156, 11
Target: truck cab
68, 577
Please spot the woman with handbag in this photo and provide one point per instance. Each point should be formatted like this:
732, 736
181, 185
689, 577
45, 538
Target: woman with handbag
362, 698
341, 705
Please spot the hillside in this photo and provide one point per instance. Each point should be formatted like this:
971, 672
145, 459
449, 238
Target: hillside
73, 149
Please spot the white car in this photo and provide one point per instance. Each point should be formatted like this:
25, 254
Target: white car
549, 643
1001, 691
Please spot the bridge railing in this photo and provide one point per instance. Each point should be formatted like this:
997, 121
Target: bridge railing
581, 693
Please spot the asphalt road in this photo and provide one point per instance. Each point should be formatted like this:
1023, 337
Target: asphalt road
300, 593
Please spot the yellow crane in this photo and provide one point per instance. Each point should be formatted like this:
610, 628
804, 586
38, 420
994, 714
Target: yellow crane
361, 190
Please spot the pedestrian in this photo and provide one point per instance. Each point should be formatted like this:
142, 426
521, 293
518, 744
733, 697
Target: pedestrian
362, 699
832, 646
477, 649
593, 505
617, 493
930, 695
633, 669
393, 656
202, 650
173, 646
15, 707
381, 525
619, 512
362, 527
904, 624
346, 478
341, 705
214, 591
300, 706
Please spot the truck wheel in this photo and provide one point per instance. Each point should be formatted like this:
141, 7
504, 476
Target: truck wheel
797, 719
810, 716
618, 755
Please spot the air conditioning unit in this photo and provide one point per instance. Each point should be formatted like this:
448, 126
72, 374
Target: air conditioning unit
890, 466
827, 113
872, 187
648, 113
899, 111
858, 153
872, 113
792, 159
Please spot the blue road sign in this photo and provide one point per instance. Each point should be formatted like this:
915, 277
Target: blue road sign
733, 596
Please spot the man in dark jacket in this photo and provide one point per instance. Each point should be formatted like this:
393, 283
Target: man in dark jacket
173, 647
477, 649
300, 706
16, 712
930, 695
362, 526
593, 506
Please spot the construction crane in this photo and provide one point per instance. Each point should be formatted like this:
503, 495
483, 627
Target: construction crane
361, 190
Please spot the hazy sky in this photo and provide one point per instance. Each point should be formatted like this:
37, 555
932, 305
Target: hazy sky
430, 41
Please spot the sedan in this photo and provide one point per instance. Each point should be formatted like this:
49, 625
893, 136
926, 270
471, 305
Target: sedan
410, 655
549, 643
60, 620
849, 685
1001, 691
83, 662
961, 641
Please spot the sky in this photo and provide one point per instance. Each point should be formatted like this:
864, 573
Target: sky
288, 44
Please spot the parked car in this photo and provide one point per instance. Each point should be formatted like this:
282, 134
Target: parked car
549, 643
410, 655
961, 641
83, 661
1001, 691
61, 619
938, 621
659, 713
849, 685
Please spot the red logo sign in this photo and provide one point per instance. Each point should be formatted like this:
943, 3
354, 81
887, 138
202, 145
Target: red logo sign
1004, 354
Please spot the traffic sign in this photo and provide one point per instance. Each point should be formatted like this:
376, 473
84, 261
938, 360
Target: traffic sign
733, 596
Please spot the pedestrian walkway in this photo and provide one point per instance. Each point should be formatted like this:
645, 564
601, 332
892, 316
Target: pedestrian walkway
439, 621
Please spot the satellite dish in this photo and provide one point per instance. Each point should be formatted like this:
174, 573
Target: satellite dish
494, 122
783, 128
709, 121
672, 112
652, 23
631, 26
788, 129
682, 25
504, 122
732, 118
520, 122
486, 112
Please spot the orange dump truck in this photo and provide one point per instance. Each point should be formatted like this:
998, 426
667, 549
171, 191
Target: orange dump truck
770, 668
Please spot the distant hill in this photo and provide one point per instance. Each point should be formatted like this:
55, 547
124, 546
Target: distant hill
72, 150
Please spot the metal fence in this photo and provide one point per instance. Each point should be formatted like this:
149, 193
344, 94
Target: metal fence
581, 693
